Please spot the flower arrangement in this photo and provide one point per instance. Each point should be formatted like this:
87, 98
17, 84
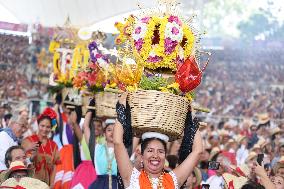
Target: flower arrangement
69, 54
159, 41
99, 73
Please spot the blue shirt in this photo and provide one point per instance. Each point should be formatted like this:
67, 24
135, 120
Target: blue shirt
101, 162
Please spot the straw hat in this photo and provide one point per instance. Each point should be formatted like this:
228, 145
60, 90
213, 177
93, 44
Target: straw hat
224, 133
275, 131
214, 152
242, 170
247, 121
18, 166
236, 182
255, 147
251, 156
240, 138
230, 141
263, 118
25, 183
198, 176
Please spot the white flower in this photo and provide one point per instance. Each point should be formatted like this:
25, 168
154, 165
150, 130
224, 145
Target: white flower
139, 31
130, 61
102, 63
173, 31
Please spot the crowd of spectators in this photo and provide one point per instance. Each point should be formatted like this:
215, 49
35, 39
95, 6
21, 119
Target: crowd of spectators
19, 74
244, 87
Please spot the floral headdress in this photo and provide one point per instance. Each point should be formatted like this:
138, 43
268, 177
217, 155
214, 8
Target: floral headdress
50, 113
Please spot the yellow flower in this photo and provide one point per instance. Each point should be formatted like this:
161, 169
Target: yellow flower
132, 88
164, 89
173, 86
189, 97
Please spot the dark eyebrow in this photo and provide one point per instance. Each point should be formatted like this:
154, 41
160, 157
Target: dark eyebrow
157, 149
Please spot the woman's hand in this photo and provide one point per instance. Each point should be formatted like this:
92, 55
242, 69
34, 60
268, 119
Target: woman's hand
118, 133
32, 146
262, 174
197, 143
259, 170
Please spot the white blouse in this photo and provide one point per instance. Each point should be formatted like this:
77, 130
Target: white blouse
134, 180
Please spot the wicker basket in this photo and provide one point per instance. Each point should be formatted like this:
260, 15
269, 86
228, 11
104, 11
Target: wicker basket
106, 104
158, 112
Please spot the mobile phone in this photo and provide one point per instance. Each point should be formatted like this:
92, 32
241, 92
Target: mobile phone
205, 186
213, 165
260, 159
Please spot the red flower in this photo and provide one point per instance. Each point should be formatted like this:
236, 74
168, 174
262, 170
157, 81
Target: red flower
92, 78
49, 112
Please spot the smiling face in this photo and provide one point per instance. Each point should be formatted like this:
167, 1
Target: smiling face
44, 127
109, 133
154, 156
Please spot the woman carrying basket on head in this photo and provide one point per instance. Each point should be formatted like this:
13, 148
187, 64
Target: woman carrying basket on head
153, 148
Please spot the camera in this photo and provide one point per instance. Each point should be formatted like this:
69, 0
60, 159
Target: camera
213, 165
205, 186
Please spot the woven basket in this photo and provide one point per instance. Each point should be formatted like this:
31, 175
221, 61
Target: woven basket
158, 112
106, 104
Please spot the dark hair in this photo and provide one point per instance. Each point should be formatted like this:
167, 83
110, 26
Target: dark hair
252, 185
146, 141
7, 116
42, 118
8, 154
107, 125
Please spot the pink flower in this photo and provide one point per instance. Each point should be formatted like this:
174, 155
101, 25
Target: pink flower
154, 59
175, 30
174, 19
93, 66
170, 45
99, 55
137, 30
138, 44
145, 20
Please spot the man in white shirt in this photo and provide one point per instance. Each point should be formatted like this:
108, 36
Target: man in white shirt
11, 136
242, 152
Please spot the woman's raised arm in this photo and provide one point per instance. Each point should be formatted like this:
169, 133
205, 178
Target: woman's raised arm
183, 171
86, 126
124, 164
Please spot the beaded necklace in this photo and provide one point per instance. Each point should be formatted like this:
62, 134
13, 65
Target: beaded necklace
109, 166
160, 182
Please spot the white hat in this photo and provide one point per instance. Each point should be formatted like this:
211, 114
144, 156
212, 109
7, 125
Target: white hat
155, 135
110, 121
